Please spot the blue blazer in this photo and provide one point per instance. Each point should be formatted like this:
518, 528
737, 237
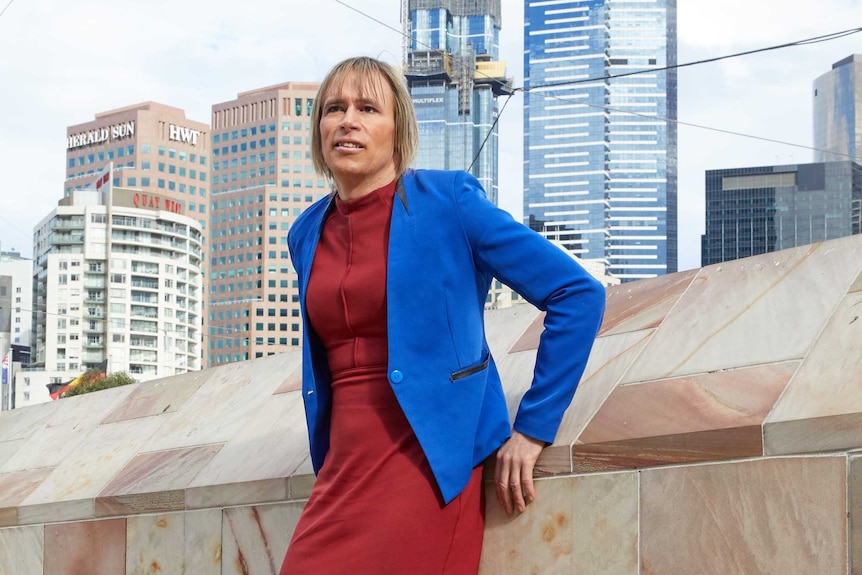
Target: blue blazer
446, 243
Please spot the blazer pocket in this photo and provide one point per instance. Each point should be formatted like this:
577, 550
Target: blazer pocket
468, 371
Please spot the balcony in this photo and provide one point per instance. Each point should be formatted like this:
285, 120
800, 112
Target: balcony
150, 342
138, 297
67, 224
143, 326
146, 356
145, 269
94, 327
145, 283
67, 239
142, 311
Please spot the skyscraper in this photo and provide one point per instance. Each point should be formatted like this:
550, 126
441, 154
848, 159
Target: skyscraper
838, 112
454, 75
751, 211
262, 179
600, 141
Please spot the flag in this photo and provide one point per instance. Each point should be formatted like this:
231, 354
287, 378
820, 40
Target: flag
105, 178
101, 368
66, 387
5, 368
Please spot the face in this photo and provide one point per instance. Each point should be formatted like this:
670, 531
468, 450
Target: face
357, 132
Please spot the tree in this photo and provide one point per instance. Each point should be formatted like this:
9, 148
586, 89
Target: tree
93, 380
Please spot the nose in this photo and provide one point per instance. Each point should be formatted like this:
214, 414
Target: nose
349, 118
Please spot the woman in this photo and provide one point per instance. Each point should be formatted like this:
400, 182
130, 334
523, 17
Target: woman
403, 401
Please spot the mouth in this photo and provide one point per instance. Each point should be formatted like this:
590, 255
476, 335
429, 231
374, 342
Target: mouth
348, 146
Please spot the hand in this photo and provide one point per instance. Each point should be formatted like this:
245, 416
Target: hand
513, 475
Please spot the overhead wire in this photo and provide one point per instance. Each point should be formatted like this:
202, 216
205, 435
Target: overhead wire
703, 127
803, 42
6, 7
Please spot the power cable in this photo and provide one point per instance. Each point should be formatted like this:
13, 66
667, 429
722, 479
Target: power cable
702, 127
490, 131
804, 42
6, 7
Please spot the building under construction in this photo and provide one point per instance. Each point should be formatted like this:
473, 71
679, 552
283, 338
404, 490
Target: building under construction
455, 76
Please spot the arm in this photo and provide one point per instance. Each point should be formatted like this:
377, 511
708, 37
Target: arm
554, 282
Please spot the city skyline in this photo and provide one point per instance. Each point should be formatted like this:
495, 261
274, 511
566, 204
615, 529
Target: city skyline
204, 54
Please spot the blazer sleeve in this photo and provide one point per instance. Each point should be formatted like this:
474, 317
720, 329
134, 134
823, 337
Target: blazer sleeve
550, 279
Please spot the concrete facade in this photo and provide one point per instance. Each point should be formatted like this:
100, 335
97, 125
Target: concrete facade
716, 430
118, 278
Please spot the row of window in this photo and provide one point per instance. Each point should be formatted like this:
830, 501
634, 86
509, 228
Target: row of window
320, 183
248, 286
243, 133
226, 358
244, 147
123, 151
223, 343
101, 156
222, 315
222, 330
178, 170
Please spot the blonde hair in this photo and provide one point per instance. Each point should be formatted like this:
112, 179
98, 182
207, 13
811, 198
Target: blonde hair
367, 73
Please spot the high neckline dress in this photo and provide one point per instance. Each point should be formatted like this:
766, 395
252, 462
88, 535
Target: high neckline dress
375, 507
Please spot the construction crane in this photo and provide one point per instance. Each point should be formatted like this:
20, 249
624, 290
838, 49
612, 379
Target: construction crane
405, 31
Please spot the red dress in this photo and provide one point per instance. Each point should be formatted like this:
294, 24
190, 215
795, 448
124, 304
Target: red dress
375, 507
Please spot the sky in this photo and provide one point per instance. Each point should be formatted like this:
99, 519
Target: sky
63, 62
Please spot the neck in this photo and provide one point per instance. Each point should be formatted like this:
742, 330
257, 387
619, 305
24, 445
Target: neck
348, 189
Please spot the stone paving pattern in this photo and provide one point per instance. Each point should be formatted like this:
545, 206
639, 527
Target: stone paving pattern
717, 430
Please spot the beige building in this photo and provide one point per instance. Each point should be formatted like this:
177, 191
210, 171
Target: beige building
155, 149
262, 178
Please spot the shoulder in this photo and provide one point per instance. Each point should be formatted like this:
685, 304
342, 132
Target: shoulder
308, 218
449, 183
425, 177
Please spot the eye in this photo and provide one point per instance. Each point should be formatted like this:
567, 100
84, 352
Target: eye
333, 108
369, 109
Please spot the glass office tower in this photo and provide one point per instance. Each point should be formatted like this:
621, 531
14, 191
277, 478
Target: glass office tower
838, 112
751, 211
454, 76
600, 139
